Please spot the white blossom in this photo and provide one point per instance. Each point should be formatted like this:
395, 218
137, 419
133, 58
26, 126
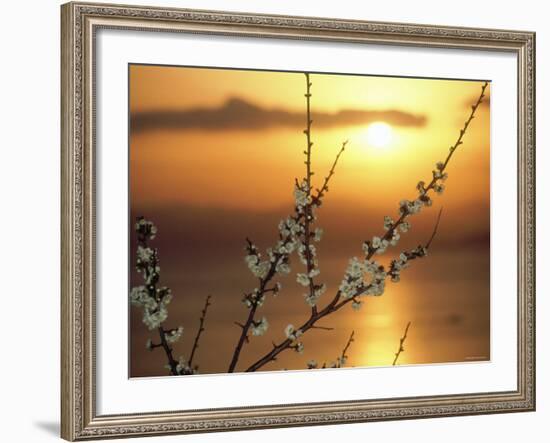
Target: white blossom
251, 260
259, 328
291, 333
356, 305
183, 367
255, 298
149, 345
301, 196
318, 234
299, 347
303, 279
353, 278
376, 288
144, 255
282, 268
153, 319
314, 272
383, 246
388, 222
140, 296
312, 299
404, 226
174, 335
395, 238
146, 228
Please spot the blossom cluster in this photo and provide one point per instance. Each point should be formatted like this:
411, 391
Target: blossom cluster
353, 284
183, 367
154, 307
145, 229
151, 299
302, 197
259, 327
307, 252
403, 261
439, 176
292, 333
278, 261
255, 298
174, 335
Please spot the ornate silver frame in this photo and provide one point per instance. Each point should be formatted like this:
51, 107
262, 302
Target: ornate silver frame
79, 420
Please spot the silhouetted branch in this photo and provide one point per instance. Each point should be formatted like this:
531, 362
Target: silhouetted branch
201, 329
152, 299
401, 343
340, 360
353, 285
428, 244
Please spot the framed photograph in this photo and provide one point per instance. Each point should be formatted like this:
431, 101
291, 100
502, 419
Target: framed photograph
282, 221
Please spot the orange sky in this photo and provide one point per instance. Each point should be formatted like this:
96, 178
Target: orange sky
213, 157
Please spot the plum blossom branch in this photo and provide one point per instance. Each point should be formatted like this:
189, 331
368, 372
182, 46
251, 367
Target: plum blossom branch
207, 303
153, 299
264, 270
401, 343
353, 285
304, 205
294, 233
378, 245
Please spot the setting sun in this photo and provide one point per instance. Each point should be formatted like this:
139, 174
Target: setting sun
379, 134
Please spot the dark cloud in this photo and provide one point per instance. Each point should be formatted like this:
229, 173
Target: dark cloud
237, 113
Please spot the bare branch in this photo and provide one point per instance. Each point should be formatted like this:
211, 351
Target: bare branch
322, 327
429, 243
401, 343
317, 199
344, 357
200, 330
340, 360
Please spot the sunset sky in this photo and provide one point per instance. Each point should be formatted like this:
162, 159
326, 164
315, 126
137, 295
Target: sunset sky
213, 157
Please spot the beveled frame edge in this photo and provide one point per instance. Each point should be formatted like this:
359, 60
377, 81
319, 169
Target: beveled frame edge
78, 24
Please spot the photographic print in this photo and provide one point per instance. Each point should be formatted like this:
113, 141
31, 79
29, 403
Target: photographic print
306, 221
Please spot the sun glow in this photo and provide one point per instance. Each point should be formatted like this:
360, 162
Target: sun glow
379, 135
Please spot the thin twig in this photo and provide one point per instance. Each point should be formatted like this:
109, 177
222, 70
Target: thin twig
324, 189
322, 327
152, 290
200, 330
401, 343
344, 357
429, 243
